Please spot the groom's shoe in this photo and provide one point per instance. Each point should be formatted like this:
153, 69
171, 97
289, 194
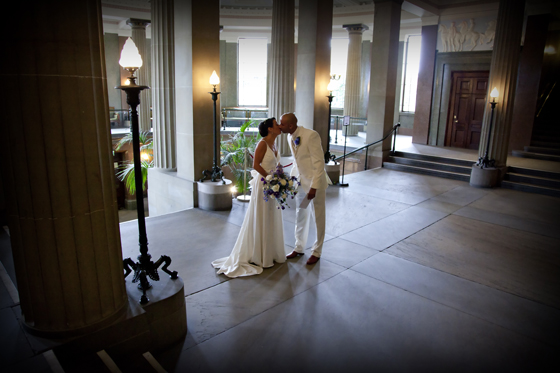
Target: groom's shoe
312, 260
293, 254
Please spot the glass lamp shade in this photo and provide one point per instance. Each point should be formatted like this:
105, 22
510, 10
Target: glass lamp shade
214, 79
130, 57
331, 87
494, 94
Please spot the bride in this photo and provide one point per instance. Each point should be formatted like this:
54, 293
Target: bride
261, 240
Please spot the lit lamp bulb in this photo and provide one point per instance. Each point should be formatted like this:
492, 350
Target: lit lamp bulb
130, 59
331, 87
494, 94
214, 79
145, 156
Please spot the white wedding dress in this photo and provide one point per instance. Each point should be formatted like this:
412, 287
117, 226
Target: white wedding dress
261, 240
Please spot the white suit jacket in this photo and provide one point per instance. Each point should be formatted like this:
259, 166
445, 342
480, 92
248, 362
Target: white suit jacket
309, 165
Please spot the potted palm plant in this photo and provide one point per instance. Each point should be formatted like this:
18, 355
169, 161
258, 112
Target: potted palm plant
126, 171
237, 152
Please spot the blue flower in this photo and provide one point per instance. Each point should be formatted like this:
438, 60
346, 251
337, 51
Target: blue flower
297, 140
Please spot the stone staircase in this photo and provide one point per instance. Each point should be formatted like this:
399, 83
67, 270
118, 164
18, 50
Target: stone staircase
522, 179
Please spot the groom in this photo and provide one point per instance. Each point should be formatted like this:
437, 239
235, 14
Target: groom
309, 167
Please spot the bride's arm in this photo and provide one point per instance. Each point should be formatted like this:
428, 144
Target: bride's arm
257, 160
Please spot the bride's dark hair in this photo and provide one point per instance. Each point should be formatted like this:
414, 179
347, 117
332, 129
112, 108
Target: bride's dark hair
265, 125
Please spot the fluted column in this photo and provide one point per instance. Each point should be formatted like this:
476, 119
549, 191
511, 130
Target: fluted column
503, 75
163, 84
353, 74
57, 168
144, 73
281, 84
314, 66
383, 81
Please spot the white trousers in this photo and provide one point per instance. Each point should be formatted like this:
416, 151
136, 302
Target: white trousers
316, 208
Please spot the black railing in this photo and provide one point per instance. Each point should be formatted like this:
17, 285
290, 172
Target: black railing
393, 130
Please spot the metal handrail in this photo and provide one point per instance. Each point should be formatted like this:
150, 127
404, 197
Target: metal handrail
393, 130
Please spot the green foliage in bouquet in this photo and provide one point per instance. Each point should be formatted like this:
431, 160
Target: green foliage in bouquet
234, 152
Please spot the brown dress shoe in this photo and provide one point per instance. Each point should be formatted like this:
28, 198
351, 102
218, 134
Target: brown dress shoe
312, 260
293, 254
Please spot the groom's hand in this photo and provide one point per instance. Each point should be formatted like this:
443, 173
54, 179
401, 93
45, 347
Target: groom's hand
311, 193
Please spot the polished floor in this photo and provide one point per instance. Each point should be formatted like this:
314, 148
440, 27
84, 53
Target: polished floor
418, 273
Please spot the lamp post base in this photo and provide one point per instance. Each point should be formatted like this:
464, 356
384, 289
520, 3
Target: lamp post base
484, 177
244, 198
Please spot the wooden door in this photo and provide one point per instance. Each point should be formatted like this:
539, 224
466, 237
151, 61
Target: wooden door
466, 109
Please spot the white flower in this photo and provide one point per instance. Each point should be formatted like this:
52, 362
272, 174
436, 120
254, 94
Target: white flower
284, 195
290, 183
283, 182
276, 188
268, 177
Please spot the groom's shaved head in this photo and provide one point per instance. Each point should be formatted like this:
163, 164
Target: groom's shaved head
288, 123
290, 118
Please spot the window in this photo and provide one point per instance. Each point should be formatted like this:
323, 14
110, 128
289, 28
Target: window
411, 64
252, 59
339, 58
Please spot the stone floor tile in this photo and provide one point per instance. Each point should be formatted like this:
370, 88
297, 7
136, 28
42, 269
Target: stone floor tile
221, 307
523, 316
346, 253
462, 195
13, 344
507, 259
386, 232
549, 229
432, 204
352, 322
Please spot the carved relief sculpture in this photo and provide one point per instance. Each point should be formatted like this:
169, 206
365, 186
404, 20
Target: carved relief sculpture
472, 36
444, 38
489, 33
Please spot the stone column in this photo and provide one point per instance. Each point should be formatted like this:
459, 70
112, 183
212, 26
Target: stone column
353, 74
144, 73
314, 65
383, 83
421, 127
57, 169
503, 76
365, 71
163, 85
527, 92
281, 78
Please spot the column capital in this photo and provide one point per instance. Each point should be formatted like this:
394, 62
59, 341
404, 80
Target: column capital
135, 22
356, 28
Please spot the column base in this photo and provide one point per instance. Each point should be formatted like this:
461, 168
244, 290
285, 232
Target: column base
333, 172
485, 177
214, 196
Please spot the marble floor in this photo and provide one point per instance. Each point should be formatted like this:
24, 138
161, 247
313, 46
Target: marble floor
418, 273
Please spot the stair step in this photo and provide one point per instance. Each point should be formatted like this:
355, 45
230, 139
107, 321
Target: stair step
544, 157
541, 150
530, 188
533, 180
432, 165
537, 173
426, 171
545, 137
545, 144
433, 158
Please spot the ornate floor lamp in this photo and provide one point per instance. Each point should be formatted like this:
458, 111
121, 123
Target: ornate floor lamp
484, 162
145, 267
216, 172
328, 156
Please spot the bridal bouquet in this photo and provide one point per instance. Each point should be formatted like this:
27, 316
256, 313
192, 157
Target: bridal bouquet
279, 186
